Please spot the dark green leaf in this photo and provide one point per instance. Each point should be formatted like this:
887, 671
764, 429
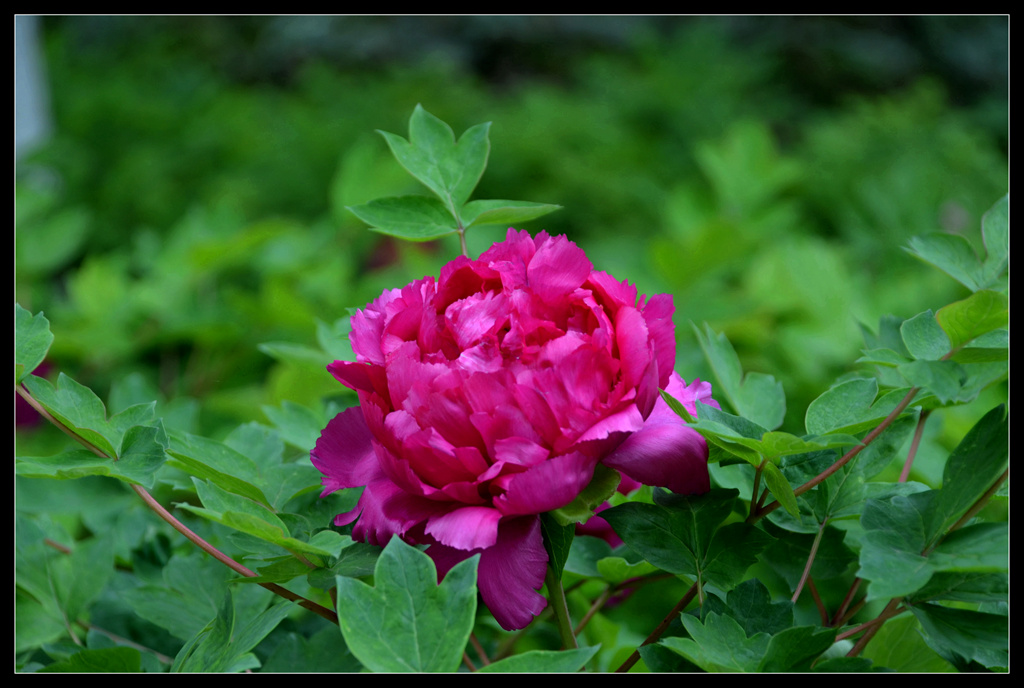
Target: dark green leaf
750, 604
546, 661
719, 644
557, 541
107, 660
408, 622
325, 651
961, 636
225, 643
973, 467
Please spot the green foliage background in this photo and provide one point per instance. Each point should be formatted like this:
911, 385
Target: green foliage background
185, 229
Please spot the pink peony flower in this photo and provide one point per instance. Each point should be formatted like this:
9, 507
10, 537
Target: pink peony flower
488, 396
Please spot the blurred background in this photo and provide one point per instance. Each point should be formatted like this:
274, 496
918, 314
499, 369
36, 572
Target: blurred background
182, 181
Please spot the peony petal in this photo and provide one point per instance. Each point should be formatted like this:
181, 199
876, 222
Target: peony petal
557, 269
510, 573
665, 452
546, 486
344, 453
471, 527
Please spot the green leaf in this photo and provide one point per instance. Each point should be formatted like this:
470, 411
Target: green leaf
995, 229
795, 648
325, 651
963, 586
334, 338
734, 549
298, 425
220, 464
537, 661
298, 354
32, 339
247, 516
973, 467
978, 314
141, 457
681, 535
507, 213
750, 604
408, 622
950, 253
78, 408
719, 644
449, 169
894, 539
961, 636
924, 338
224, 644
757, 396
107, 660
416, 218
850, 408
557, 541
898, 645
780, 487
977, 548
944, 379
598, 490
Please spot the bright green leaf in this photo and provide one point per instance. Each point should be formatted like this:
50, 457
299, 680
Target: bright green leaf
757, 396
978, 314
416, 218
32, 339
449, 169
507, 213
924, 338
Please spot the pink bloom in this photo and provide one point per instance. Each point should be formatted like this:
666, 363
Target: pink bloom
488, 396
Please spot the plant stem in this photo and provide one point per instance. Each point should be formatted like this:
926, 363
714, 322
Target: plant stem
918, 433
837, 619
556, 597
656, 633
810, 561
754, 502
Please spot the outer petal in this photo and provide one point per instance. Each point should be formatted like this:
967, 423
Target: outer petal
344, 453
471, 527
665, 452
510, 573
